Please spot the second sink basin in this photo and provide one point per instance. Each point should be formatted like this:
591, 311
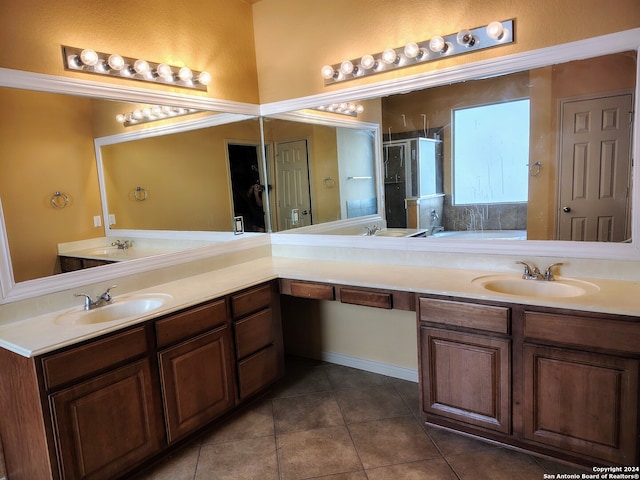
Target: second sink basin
514, 285
122, 308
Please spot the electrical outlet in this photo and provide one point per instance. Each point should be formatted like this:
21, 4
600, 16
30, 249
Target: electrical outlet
238, 225
97, 221
112, 219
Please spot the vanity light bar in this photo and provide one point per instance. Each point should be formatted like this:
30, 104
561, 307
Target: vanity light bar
436, 48
90, 61
350, 109
152, 113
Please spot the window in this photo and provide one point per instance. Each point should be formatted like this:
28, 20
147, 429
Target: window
491, 153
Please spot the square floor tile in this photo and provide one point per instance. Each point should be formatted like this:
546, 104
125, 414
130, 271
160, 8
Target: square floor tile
179, 466
371, 403
391, 441
313, 453
497, 464
304, 412
342, 378
256, 420
252, 459
433, 469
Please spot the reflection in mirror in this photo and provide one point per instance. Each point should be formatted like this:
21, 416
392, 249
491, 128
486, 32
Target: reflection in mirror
49, 183
179, 181
574, 160
324, 170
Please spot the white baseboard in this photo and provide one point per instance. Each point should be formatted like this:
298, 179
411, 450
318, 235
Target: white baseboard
394, 371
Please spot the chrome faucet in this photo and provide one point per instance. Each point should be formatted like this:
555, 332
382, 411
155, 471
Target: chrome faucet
531, 272
122, 244
103, 299
372, 230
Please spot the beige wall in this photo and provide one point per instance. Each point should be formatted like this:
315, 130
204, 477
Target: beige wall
295, 38
211, 35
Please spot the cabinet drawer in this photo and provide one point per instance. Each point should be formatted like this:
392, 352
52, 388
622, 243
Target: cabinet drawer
583, 331
317, 291
366, 298
251, 301
469, 315
254, 332
93, 357
190, 323
257, 371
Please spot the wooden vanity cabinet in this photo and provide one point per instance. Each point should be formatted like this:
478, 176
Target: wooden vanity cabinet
557, 382
105, 414
258, 338
581, 384
465, 363
196, 367
71, 264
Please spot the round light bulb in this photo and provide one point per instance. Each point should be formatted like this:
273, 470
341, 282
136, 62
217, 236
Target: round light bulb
327, 72
141, 67
437, 44
185, 74
146, 112
89, 57
495, 30
367, 62
411, 50
116, 62
164, 71
465, 38
389, 56
137, 114
120, 118
359, 109
204, 78
346, 67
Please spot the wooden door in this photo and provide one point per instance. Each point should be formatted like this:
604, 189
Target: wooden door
584, 403
108, 424
595, 169
293, 194
197, 381
466, 377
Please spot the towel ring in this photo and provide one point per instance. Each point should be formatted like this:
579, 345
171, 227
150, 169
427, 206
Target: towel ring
328, 182
139, 194
59, 200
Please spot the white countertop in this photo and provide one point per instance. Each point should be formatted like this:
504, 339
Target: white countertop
42, 334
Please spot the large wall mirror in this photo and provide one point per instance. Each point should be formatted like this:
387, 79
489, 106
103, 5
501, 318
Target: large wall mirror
69, 168
570, 177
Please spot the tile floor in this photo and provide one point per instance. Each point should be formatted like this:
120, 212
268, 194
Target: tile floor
330, 422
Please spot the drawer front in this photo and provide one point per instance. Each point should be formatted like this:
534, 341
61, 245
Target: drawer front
254, 332
469, 315
190, 323
257, 371
366, 298
316, 291
251, 301
70, 365
587, 332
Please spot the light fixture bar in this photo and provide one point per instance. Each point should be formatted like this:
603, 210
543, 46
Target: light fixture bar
348, 108
152, 113
114, 65
436, 48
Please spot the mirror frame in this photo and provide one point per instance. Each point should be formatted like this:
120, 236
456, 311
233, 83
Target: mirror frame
10, 291
579, 50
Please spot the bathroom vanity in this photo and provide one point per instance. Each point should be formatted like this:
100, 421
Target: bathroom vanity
99, 408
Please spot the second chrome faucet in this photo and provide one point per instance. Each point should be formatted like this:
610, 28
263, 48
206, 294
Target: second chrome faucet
103, 299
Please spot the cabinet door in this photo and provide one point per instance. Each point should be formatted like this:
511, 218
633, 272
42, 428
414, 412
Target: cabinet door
106, 425
197, 381
466, 377
584, 403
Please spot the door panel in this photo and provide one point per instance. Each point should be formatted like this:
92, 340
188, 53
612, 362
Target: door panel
595, 169
293, 195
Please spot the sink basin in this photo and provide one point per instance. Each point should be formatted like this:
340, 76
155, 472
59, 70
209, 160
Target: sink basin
515, 285
392, 233
122, 308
